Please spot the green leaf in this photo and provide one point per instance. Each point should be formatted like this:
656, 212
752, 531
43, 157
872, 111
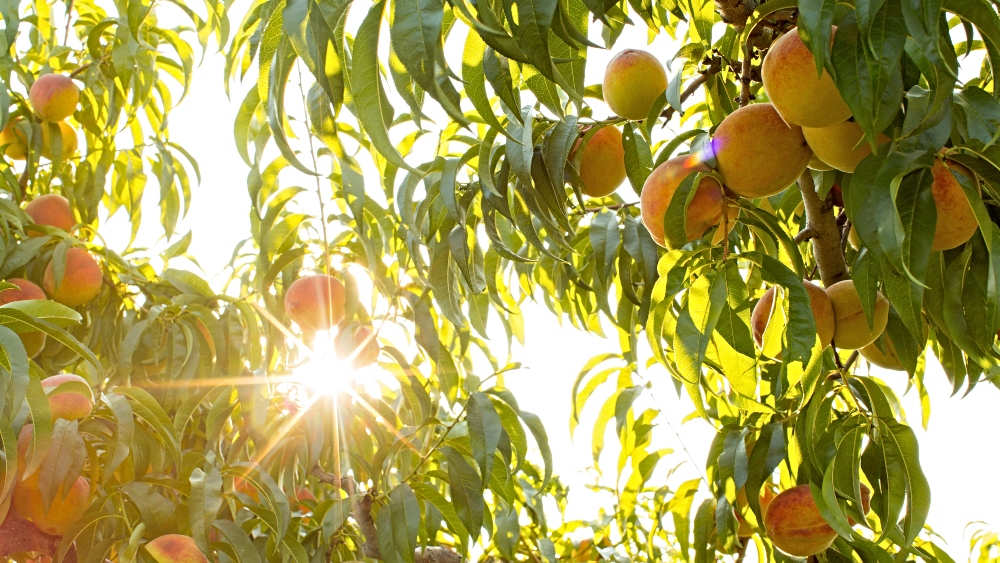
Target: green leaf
638, 158
466, 491
372, 107
485, 429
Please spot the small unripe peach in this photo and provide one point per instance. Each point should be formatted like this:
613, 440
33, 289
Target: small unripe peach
705, 210
819, 301
602, 164
50, 210
800, 95
888, 359
54, 97
65, 510
71, 405
316, 302
175, 548
81, 281
633, 80
956, 221
852, 330
15, 141
68, 142
756, 153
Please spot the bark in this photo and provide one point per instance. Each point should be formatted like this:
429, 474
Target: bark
825, 233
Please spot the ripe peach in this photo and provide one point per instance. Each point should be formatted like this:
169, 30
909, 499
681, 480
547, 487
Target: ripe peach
362, 339
795, 525
632, 82
33, 341
54, 97
71, 405
705, 210
65, 510
842, 145
316, 302
50, 210
175, 548
889, 359
602, 164
817, 164
241, 485
852, 331
81, 281
800, 95
757, 154
68, 142
15, 141
822, 310
956, 222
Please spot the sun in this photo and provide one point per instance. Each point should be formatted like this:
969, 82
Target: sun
325, 372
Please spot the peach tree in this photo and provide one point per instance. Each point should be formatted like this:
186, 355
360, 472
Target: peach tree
799, 191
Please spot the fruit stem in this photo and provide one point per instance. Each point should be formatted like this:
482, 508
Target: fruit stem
826, 239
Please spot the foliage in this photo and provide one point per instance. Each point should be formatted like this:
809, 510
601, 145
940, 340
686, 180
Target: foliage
209, 420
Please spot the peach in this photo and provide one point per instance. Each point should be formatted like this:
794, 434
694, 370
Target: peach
956, 222
756, 153
65, 510
175, 548
316, 302
602, 164
852, 330
853, 238
15, 141
241, 485
795, 525
705, 210
50, 210
68, 404
633, 80
33, 341
801, 95
81, 281
819, 301
68, 142
817, 164
888, 359
362, 339
842, 146
54, 97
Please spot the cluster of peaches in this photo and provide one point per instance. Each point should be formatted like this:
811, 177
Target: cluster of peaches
757, 151
82, 276
53, 98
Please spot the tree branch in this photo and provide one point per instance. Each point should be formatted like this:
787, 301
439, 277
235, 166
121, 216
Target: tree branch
17, 535
826, 234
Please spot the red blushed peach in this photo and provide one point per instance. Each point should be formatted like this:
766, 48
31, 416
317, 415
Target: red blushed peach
316, 302
66, 508
33, 341
757, 154
81, 281
794, 524
54, 97
70, 405
175, 548
51, 210
705, 210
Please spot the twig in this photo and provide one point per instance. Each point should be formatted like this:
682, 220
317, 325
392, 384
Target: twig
688, 92
826, 239
742, 553
745, 73
805, 234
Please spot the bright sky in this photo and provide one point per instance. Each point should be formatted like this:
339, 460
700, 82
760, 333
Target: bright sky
955, 450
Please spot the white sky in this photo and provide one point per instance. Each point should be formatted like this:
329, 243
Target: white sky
955, 451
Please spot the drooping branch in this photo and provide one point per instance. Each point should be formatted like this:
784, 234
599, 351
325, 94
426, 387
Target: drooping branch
826, 234
17, 535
